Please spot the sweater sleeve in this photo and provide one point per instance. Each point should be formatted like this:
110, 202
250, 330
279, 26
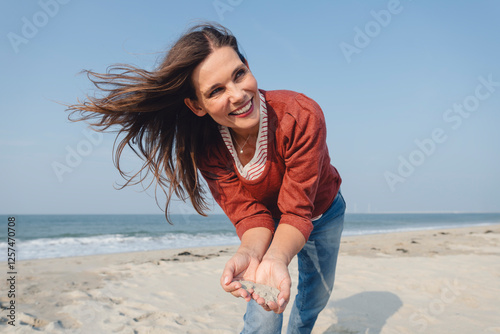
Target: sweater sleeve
244, 211
304, 146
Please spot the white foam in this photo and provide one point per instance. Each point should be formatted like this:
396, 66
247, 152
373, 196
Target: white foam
106, 244
120, 243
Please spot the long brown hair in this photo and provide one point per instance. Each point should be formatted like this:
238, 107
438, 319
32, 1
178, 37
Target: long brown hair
148, 109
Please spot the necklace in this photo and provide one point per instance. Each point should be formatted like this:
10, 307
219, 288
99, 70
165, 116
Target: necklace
241, 147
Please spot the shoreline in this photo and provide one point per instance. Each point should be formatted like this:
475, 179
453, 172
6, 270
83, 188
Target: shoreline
424, 280
234, 246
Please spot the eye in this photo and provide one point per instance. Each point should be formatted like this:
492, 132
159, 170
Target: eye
215, 91
240, 73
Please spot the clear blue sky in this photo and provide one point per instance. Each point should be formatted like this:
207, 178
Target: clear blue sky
387, 74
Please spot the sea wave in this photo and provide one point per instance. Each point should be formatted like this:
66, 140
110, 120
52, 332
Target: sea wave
80, 235
107, 244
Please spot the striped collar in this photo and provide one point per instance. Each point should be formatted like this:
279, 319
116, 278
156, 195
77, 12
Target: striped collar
255, 167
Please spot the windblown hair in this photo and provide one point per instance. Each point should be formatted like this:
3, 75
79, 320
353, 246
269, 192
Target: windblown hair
152, 119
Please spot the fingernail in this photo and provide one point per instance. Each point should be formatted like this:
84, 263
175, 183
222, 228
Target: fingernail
282, 302
226, 280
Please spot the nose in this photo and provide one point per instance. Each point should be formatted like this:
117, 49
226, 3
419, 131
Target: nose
236, 94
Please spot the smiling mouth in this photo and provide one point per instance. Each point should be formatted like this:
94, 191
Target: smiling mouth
243, 110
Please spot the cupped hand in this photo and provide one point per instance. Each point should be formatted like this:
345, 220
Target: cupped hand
242, 266
274, 272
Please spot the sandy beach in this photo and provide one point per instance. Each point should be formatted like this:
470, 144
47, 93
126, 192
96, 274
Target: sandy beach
436, 281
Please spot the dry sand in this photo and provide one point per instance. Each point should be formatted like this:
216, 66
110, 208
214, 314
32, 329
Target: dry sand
268, 293
441, 281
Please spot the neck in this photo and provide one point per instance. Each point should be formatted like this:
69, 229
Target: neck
241, 138
244, 142
242, 135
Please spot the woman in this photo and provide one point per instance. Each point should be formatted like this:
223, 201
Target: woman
263, 155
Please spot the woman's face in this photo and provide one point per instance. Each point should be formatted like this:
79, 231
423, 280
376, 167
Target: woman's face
227, 91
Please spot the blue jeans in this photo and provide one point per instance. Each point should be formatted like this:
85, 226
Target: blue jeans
317, 262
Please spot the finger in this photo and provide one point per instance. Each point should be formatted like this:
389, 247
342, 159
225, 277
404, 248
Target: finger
232, 287
278, 307
284, 295
227, 275
242, 293
245, 295
269, 306
273, 306
282, 306
261, 301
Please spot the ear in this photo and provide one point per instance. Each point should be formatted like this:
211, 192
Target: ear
195, 107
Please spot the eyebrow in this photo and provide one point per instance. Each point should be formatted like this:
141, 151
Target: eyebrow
218, 84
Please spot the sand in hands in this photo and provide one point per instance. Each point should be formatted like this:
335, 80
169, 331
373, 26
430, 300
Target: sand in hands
269, 293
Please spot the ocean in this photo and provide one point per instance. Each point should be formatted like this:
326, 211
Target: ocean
52, 236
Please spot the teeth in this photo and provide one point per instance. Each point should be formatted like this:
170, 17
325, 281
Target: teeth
243, 110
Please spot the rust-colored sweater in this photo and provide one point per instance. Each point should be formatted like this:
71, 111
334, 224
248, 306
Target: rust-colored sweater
298, 182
